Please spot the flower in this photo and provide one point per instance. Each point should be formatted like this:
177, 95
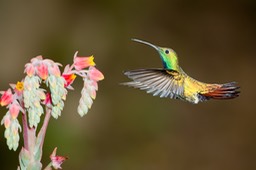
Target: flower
94, 74
14, 110
54, 70
69, 79
6, 98
83, 62
57, 160
48, 101
29, 69
42, 71
18, 88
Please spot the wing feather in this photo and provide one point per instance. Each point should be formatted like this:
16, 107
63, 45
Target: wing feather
156, 81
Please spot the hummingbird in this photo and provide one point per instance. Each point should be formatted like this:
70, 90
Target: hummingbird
172, 82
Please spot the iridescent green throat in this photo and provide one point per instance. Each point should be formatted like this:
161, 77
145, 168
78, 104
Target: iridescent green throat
169, 59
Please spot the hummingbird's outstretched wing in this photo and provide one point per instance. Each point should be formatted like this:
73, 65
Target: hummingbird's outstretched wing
157, 81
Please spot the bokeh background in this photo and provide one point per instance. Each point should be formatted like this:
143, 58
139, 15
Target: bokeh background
126, 128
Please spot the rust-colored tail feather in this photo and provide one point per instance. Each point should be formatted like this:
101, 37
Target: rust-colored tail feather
224, 91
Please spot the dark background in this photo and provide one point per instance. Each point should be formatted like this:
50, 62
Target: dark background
128, 129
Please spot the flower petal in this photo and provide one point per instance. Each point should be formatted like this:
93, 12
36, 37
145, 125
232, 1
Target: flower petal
6, 98
14, 110
69, 78
29, 69
94, 74
42, 71
83, 62
19, 86
57, 160
54, 70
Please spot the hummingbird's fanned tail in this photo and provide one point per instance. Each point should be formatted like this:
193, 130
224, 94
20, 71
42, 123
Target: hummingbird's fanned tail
223, 91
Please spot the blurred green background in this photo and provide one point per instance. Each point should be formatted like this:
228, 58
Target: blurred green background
127, 129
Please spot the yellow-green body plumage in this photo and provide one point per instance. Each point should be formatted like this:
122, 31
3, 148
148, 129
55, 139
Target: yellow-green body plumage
171, 81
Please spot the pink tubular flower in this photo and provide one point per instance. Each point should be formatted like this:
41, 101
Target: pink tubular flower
69, 79
94, 74
6, 98
14, 110
48, 101
29, 69
57, 160
83, 62
54, 70
42, 71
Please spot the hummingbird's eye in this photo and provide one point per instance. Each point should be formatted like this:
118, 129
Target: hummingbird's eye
166, 51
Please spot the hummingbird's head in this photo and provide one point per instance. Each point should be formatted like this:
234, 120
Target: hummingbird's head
168, 56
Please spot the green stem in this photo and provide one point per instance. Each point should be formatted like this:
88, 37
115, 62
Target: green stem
49, 166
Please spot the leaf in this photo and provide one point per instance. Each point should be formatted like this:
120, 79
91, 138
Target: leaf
24, 158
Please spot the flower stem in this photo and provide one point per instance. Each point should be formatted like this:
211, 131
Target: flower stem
25, 130
49, 166
43, 129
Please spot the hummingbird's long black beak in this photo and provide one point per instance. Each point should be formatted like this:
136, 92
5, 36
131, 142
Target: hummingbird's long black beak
147, 43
